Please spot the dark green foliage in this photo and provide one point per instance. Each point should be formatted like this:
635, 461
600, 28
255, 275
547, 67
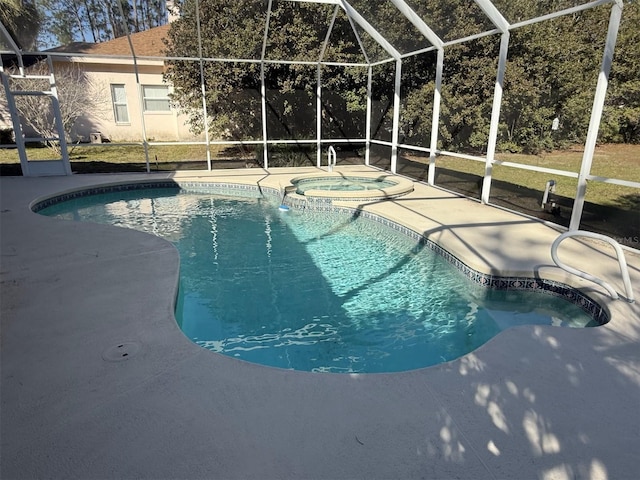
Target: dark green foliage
22, 20
235, 29
552, 72
621, 119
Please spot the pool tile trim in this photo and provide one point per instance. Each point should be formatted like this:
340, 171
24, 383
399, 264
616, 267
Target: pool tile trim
497, 282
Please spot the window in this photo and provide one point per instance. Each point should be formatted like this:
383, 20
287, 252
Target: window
119, 98
156, 98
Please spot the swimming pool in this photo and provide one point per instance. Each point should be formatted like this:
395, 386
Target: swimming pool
323, 291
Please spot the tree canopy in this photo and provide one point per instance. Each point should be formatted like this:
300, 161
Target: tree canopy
67, 21
551, 74
22, 20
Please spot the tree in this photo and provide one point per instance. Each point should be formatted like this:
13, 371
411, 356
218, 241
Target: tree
621, 120
552, 71
76, 95
235, 29
94, 20
22, 20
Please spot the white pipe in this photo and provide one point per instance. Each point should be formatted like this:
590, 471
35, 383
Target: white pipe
619, 253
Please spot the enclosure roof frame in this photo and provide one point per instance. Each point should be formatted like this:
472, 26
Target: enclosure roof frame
367, 27
492, 13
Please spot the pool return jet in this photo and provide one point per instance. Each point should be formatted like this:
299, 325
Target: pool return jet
285, 190
283, 207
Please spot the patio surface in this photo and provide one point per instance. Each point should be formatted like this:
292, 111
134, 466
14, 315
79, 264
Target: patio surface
534, 402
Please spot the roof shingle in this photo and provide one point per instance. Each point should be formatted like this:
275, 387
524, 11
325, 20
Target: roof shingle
145, 44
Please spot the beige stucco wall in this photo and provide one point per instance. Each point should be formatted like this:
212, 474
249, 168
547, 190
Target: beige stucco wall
160, 126
5, 116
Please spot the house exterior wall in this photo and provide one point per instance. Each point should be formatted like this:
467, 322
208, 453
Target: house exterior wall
102, 76
5, 116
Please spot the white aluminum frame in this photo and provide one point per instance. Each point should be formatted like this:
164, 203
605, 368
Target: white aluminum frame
596, 114
203, 89
356, 20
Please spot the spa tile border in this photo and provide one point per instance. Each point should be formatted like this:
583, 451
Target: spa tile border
497, 282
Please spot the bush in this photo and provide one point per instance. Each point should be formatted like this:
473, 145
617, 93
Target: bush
510, 147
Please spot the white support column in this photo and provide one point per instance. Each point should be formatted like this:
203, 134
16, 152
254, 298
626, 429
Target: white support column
319, 116
367, 155
263, 94
596, 115
203, 90
145, 144
396, 117
435, 122
13, 110
263, 90
136, 70
495, 118
57, 115
5, 37
15, 120
323, 50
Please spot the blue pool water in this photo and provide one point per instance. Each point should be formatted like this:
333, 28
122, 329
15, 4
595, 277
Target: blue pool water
316, 291
341, 184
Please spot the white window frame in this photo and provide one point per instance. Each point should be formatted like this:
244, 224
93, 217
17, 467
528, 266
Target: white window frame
145, 98
116, 104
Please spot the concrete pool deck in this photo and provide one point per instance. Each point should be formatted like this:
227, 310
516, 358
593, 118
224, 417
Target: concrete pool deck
534, 402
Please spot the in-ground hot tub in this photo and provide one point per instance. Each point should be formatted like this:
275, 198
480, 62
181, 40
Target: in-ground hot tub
351, 187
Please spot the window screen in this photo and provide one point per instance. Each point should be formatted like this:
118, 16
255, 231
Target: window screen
119, 98
156, 98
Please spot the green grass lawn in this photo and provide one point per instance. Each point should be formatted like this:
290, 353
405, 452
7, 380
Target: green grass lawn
112, 157
112, 153
620, 161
